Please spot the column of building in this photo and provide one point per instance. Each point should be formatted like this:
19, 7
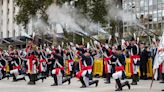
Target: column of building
10, 18
4, 18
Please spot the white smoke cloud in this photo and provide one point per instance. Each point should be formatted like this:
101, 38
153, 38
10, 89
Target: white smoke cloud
73, 21
125, 15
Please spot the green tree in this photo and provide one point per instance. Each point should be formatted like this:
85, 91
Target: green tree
95, 9
29, 8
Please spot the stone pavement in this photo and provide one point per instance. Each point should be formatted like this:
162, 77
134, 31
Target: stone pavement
21, 86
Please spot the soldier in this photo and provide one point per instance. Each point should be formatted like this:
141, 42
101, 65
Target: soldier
32, 63
42, 67
107, 63
58, 70
16, 68
3, 63
119, 68
85, 74
135, 61
70, 60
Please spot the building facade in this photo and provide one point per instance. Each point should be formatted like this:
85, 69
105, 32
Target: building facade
8, 26
150, 14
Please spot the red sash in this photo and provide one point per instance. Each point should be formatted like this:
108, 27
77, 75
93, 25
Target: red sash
79, 74
31, 58
106, 64
17, 67
40, 65
119, 68
132, 61
58, 70
87, 68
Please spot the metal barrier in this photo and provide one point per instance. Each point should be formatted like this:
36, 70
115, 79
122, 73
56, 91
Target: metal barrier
149, 68
98, 67
127, 67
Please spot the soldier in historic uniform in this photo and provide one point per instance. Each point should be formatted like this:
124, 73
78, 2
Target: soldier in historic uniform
58, 69
85, 74
42, 67
70, 60
16, 68
135, 61
119, 70
3, 64
107, 63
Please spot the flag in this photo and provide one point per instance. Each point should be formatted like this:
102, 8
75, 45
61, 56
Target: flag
159, 58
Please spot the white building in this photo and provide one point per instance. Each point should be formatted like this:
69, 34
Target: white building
8, 27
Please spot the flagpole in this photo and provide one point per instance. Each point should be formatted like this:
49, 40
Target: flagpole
151, 85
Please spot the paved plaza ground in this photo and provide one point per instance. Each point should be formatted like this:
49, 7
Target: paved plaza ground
21, 86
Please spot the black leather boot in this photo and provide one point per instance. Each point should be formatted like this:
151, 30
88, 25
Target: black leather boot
14, 78
90, 76
55, 81
134, 80
82, 82
32, 79
23, 78
108, 78
125, 84
94, 82
67, 79
119, 85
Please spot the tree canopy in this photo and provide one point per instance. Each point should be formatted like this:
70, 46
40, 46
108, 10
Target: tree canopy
95, 9
29, 8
